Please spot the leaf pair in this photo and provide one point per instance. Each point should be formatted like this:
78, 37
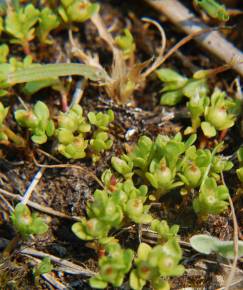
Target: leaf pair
26, 223
156, 264
37, 121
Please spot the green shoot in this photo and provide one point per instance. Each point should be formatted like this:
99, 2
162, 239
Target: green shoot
37, 121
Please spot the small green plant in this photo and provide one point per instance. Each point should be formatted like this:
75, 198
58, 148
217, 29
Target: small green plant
101, 120
213, 9
45, 266
219, 113
112, 267
70, 133
20, 24
211, 199
27, 223
111, 206
177, 86
156, 265
164, 231
156, 162
239, 171
77, 10
6, 133
37, 121
126, 43
1, 25
207, 244
48, 21
4, 51
131, 200
3, 114
195, 163
100, 140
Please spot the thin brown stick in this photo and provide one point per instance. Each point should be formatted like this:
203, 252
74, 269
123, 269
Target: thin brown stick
186, 21
236, 246
162, 48
84, 170
73, 268
48, 155
37, 206
179, 44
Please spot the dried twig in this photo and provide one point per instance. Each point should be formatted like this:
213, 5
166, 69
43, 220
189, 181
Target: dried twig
48, 277
236, 249
70, 267
37, 206
162, 48
213, 41
58, 285
84, 170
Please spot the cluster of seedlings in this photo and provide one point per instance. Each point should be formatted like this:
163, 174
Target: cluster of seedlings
150, 170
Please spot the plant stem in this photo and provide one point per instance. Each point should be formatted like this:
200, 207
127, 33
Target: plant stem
11, 245
18, 140
26, 48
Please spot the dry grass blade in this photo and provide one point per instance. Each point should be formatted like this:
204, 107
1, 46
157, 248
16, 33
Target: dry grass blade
186, 21
84, 170
236, 234
39, 207
157, 61
73, 268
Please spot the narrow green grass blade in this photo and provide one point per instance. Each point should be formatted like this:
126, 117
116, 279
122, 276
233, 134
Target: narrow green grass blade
48, 71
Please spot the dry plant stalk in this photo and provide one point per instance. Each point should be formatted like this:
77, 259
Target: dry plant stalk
186, 21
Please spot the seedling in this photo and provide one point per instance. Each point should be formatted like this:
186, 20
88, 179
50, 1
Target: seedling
48, 21
6, 133
110, 207
156, 162
122, 166
77, 10
195, 164
212, 198
70, 133
131, 200
4, 51
207, 244
112, 267
239, 171
20, 24
177, 86
3, 114
100, 140
27, 223
164, 231
103, 214
126, 43
1, 25
213, 9
219, 113
156, 264
45, 266
37, 121
101, 120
